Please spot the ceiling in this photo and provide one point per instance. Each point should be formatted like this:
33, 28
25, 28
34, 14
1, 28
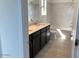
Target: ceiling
50, 1
58, 1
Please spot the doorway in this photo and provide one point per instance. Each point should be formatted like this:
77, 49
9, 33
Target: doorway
61, 15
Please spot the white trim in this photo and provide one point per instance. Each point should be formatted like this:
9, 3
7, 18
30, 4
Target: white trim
67, 29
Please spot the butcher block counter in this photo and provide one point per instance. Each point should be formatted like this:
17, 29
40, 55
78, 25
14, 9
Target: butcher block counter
36, 27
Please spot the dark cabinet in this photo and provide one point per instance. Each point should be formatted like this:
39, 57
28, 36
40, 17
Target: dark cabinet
48, 34
31, 49
36, 45
38, 40
43, 37
30, 46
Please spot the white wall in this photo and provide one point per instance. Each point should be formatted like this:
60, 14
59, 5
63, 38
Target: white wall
75, 18
61, 16
11, 32
77, 28
49, 14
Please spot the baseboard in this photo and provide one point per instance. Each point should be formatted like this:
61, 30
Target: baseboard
66, 29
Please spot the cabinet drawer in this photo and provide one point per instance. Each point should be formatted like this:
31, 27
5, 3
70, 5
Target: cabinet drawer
34, 35
43, 30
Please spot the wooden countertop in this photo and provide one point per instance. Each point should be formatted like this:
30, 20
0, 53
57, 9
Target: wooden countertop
35, 27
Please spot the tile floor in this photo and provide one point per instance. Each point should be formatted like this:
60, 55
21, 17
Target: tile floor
57, 47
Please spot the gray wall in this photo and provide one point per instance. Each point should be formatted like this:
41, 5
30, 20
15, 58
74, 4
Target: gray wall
0, 48
11, 28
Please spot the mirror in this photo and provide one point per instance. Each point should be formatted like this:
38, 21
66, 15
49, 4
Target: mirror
33, 11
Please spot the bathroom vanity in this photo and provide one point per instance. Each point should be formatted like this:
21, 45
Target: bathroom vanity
39, 35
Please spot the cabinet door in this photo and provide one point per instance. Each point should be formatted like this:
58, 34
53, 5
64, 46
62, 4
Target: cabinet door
48, 33
30, 46
31, 49
36, 45
43, 39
